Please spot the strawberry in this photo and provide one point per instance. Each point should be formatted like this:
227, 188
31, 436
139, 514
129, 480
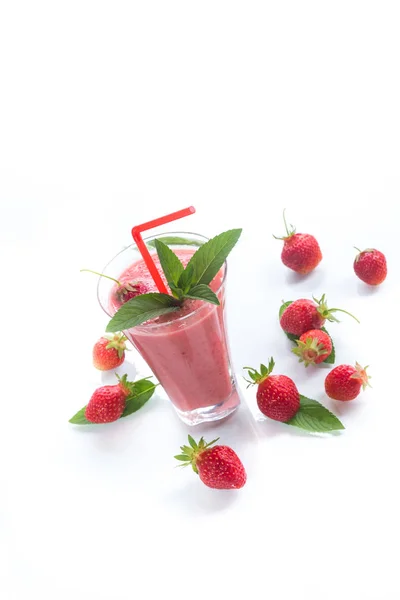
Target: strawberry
370, 266
302, 315
109, 352
125, 290
344, 382
218, 467
108, 402
313, 347
277, 395
128, 290
301, 251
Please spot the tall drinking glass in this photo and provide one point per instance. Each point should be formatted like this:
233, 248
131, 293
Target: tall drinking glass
187, 350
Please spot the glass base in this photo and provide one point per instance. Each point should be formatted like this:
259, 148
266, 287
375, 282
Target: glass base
211, 413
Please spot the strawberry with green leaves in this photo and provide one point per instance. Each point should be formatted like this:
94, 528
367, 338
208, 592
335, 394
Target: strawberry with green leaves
109, 352
109, 403
313, 347
301, 251
302, 315
345, 382
218, 467
279, 399
277, 395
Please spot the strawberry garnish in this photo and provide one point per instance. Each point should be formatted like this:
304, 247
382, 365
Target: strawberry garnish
218, 467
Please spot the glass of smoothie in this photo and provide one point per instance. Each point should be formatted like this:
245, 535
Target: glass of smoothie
187, 350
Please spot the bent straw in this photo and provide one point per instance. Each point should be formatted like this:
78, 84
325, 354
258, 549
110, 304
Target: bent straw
136, 234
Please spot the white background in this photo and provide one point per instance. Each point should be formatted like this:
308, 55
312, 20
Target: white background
112, 113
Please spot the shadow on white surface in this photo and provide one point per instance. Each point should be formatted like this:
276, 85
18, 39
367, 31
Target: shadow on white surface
363, 289
314, 278
127, 368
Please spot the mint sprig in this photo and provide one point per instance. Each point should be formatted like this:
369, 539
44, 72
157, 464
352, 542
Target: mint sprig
293, 338
141, 309
313, 416
191, 281
170, 263
210, 257
140, 392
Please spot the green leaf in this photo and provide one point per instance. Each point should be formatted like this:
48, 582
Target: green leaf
331, 358
312, 416
192, 442
210, 257
284, 307
202, 292
183, 457
142, 390
140, 309
186, 279
175, 241
170, 263
79, 418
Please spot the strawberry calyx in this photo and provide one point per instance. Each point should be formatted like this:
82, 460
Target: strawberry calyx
117, 341
361, 374
126, 386
309, 350
257, 377
326, 313
190, 454
130, 289
360, 252
289, 232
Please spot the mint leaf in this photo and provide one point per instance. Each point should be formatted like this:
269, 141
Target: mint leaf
185, 280
170, 263
331, 358
284, 307
79, 418
141, 309
142, 390
175, 241
209, 258
312, 416
202, 292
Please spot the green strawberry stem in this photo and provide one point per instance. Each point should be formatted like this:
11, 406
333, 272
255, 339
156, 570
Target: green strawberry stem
326, 312
358, 249
289, 232
190, 454
257, 377
101, 275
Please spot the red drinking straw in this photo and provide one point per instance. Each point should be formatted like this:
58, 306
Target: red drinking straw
136, 234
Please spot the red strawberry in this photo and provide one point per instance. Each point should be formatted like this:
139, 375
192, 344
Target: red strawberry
128, 290
109, 352
301, 251
219, 467
108, 402
370, 266
277, 395
313, 347
125, 290
302, 315
344, 382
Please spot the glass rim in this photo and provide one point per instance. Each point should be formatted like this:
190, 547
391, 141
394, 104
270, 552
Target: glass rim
147, 239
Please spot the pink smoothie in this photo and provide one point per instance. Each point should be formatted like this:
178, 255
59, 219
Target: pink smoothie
187, 350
